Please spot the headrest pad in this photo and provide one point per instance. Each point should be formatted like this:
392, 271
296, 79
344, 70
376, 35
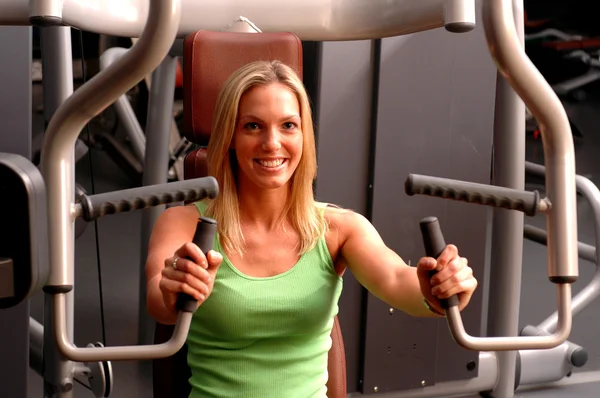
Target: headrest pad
209, 60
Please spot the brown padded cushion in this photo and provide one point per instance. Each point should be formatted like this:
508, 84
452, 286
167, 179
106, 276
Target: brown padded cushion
211, 57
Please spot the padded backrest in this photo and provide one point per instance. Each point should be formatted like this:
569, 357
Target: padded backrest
209, 59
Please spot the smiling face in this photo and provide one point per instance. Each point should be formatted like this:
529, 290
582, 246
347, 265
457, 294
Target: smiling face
268, 136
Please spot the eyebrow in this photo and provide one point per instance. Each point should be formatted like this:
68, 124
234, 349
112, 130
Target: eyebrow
250, 116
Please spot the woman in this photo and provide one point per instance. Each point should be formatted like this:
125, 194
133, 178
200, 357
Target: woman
268, 292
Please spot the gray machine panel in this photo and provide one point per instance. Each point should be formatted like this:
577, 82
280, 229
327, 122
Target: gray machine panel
435, 117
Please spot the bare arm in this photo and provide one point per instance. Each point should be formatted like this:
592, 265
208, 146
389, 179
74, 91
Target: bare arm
171, 238
381, 271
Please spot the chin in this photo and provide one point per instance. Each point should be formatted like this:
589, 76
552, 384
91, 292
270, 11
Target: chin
272, 185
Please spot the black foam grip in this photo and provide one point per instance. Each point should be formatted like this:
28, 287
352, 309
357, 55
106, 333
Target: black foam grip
204, 238
434, 243
148, 196
483, 194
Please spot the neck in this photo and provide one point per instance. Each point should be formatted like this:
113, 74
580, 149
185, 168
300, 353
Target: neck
263, 208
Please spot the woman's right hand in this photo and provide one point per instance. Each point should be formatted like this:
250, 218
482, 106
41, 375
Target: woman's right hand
189, 271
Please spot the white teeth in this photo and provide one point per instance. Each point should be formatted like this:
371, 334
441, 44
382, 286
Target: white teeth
270, 163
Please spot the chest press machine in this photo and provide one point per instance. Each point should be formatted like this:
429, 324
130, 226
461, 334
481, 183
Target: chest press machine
39, 254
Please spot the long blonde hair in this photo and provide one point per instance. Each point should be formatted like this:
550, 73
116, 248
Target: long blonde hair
301, 209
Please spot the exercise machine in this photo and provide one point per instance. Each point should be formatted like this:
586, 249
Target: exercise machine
383, 19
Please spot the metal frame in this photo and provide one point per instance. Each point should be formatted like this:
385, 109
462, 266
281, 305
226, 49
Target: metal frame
310, 20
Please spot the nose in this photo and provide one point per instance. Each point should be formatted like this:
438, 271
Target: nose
272, 140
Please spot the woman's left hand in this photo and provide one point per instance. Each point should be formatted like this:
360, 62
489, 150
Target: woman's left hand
454, 277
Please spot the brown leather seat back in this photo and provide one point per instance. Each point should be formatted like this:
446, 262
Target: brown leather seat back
209, 59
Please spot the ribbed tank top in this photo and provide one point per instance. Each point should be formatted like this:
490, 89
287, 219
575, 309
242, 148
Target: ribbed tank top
265, 337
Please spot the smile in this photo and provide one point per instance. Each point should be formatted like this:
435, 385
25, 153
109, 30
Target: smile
271, 164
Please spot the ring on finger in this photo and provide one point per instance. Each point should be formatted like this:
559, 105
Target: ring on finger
174, 263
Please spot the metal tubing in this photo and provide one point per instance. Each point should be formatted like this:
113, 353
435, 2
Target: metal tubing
575, 355
314, 20
559, 154
485, 381
156, 171
57, 72
507, 242
57, 67
592, 290
544, 366
36, 346
507, 50
459, 15
45, 12
539, 235
510, 343
125, 353
124, 110
57, 162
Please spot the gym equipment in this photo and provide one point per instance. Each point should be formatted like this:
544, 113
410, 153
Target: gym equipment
380, 19
57, 166
24, 242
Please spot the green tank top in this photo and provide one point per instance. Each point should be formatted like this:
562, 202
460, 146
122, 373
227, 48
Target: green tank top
265, 337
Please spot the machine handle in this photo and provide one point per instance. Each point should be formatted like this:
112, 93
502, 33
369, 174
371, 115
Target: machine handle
484, 194
204, 238
95, 206
434, 242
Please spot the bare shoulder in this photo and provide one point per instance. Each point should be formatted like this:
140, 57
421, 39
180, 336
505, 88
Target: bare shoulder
184, 212
343, 222
176, 216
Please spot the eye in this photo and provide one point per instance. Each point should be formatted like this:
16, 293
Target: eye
251, 126
290, 125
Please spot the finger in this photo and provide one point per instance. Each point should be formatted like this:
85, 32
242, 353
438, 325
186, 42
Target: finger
214, 259
193, 252
464, 290
426, 265
186, 278
448, 254
453, 280
448, 271
173, 286
188, 266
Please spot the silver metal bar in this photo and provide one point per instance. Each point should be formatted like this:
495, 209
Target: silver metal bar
57, 72
36, 346
508, 53
124, 110
124, 353
317, 20
45, 12
544, 366
507, 242
57, 164
459, 15
156, 169
592, 290
559, 153
539, 235
510, 343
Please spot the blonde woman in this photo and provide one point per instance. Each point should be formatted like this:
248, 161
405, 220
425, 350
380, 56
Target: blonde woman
268, 292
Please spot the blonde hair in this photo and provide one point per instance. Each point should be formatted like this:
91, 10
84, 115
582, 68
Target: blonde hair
301, 209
